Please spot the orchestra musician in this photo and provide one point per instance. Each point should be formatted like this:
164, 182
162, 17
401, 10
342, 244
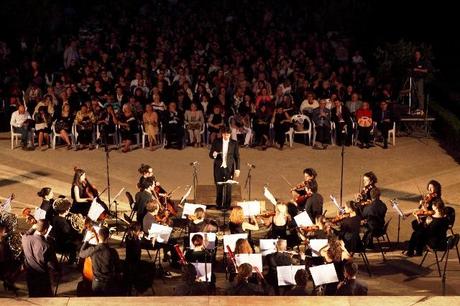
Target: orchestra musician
152, 208
350, 226
39, 260
47, 195
278, 258
336, 253
199, 223
432, 232
299, 193
66, 237
301, 280
226, 157
434, 194
145, 171
243, 287
143, 196
237, 223
374, 216
105, 264
82, 193
9, 267
314, 203
364, 197
350, 285
279, 222
190, 285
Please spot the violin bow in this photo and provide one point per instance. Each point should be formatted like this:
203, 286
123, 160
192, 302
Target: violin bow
286, 180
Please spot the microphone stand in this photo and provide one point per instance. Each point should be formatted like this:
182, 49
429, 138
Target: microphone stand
247, 183
107, 157
194, 181
342, 134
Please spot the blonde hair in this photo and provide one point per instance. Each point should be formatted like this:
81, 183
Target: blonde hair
242, 246
236, 216
281, 208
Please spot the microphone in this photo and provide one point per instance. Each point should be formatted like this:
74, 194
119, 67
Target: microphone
194, 163
251, 166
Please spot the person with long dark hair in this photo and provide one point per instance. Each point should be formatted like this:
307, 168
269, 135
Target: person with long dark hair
47, 195
80, 193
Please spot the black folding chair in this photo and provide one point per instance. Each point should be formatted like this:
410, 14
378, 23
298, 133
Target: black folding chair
452, 241
383, 236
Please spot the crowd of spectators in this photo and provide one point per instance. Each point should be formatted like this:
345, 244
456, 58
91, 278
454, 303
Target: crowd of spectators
181, 70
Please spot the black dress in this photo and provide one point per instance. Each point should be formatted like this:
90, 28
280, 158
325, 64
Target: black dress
236, 228
79, 207
349, 233
278, 231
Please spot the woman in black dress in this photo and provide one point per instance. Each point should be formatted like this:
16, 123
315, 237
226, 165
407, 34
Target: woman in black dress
129, 127
80, 193
47, 195
63, 124
237, 223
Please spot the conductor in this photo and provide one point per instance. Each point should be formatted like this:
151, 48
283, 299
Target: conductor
226, 157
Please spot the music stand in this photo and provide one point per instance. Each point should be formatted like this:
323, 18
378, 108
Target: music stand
394, 204
116, 206
224, 195
247, 183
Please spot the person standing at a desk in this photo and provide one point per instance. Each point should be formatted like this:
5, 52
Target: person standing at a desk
226, 157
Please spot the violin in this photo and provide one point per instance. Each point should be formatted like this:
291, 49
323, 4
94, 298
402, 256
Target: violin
310, 228
27, 213
267, 214
423, 213
165, 200
338, 218
427, 199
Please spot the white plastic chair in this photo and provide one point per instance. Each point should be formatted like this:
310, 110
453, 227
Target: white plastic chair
145, 136
392, 134
114, 135
314, 133
292, 132
14, 138
55, 136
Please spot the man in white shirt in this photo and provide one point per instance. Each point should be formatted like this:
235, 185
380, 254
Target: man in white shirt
20, 124
226, 157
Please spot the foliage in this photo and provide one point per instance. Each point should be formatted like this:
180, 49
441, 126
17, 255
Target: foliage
394, 59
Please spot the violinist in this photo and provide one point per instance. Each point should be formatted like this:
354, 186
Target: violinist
105, 264
237, 223
364, 197
299, 193
243, 287
145, 171
350, 228
143, 196
374, 215
432, 232
434, 194
314, 203
350, 285
81, 193
190, 285
279, 222
199, 223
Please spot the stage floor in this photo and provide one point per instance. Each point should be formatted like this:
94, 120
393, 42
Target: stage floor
401, 171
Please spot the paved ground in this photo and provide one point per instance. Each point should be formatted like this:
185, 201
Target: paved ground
401, 170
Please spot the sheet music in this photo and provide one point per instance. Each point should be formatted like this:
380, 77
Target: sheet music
230, 240
250, 208
286, 274
208, 238
255, 260
396, 207
334, 200
324, 274
39, 214
48, 231
90, 237
160, 232
269, 196
303, 219
316, 245
189, 209
185, 196
201, 270
95, 210
267, 246
228, 182
6, 206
